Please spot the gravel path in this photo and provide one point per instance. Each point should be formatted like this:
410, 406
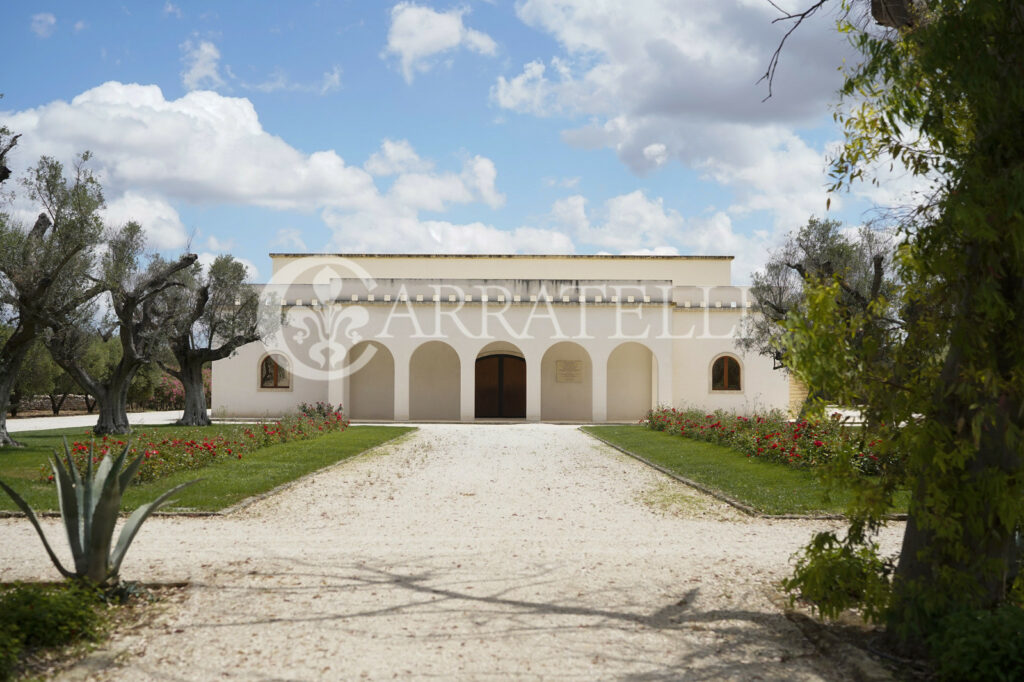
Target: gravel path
469, 552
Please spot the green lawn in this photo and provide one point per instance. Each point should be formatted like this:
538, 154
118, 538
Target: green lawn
768, 487
225, 482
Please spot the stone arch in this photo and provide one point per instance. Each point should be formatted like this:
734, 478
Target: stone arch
371, 388
566, 387
632, 381
500, 381
434, 382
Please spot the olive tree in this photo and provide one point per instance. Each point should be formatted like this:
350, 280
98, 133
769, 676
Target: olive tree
44, 271
219, 314
818, 251
139, 311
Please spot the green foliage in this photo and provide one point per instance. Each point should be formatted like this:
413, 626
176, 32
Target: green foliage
980, 645
191, 449
33, 616
834, 576
762, 485
937, 367
89, 506
818, 251
772, 437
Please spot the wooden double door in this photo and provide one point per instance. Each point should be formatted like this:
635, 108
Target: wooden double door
501, 387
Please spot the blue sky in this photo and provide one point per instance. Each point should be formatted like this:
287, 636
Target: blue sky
550, 126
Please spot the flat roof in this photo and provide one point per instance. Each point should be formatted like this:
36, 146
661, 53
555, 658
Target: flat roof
499, 255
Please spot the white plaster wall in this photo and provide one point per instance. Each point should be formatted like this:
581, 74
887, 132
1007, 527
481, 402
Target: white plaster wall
236, 388
566, 401
434, 382
630, 382
706, 336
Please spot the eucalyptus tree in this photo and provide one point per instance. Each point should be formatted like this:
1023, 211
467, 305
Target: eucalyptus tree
44, 271
219, 313
139, 312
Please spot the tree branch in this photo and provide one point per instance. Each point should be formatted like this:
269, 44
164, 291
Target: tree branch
797, 18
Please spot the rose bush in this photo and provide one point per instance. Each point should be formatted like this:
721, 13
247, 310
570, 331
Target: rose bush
774, 437
169, 450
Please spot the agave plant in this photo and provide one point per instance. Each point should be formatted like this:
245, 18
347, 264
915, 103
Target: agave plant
89, 507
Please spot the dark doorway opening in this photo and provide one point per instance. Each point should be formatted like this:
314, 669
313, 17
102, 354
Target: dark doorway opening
501, 386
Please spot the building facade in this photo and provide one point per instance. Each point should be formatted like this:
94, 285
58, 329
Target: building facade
469, 337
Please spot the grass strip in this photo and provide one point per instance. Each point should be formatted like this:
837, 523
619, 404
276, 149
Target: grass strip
224, 483
765, 487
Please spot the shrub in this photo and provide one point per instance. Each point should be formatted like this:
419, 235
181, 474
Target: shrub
773, 437
318, 410
189, 449
980, 645
34, 616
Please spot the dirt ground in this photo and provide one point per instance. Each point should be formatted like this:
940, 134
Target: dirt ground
525, 551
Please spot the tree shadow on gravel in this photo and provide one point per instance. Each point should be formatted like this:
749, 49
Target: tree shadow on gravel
743, 644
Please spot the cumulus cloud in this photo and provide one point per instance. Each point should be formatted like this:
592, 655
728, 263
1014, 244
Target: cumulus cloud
396, 156
202, 65
43, 24
625, 223
663, 80
417, 34
160, 221
206, 149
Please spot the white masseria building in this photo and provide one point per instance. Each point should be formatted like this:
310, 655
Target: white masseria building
477, 337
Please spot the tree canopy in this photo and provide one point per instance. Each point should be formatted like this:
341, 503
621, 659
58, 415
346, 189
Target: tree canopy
941, 95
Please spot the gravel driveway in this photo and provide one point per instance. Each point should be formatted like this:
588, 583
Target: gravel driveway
524, 551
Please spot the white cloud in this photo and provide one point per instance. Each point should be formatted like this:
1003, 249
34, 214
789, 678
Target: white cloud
568, 183
625, 223
396, 156
80, 26
205, 149
202, 66
289, 238
419, 33
656, 153
172, 9
280, 81
220, 245
202, 148
43, 24
331, 80
160, 221
663, 80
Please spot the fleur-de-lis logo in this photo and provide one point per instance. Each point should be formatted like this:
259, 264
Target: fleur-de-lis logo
305, 316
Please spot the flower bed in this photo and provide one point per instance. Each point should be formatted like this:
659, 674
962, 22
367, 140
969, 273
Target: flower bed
775, 438
168, 450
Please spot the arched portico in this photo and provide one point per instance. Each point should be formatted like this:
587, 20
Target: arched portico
632, 377
371, 387
434, 382
500, 382
566, 383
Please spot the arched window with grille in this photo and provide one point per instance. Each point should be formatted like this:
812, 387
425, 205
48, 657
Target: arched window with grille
274, 372
726, 374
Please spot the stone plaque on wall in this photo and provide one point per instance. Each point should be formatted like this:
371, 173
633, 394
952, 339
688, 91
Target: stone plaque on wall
569, 371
